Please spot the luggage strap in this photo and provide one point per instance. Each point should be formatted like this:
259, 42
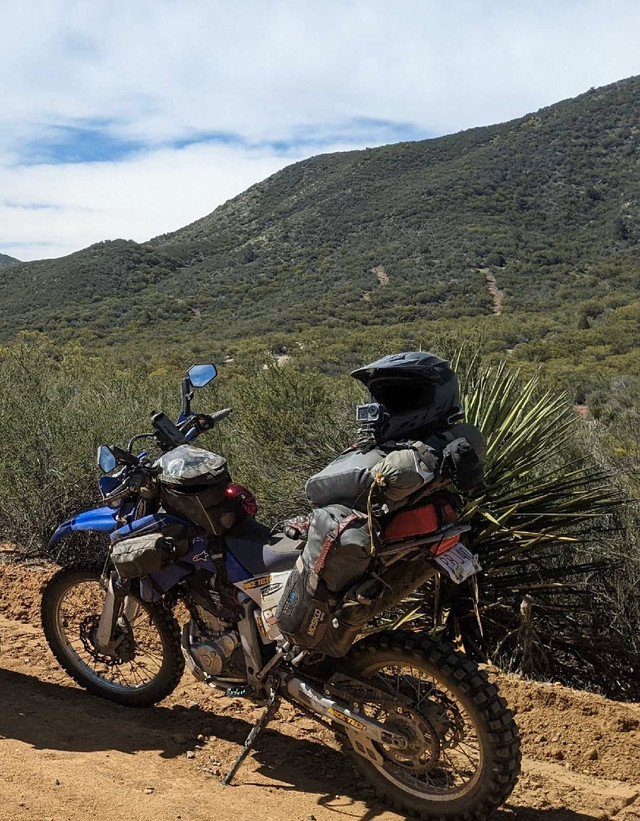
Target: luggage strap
330, 539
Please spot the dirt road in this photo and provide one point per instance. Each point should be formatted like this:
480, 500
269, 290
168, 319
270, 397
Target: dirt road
67, 756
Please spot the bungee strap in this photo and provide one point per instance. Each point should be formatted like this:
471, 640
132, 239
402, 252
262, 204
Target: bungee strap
330, 539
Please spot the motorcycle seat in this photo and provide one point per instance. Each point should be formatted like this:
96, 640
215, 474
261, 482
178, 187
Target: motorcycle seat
259, 550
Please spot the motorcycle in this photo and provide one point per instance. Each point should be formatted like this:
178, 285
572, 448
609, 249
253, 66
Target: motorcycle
418, 719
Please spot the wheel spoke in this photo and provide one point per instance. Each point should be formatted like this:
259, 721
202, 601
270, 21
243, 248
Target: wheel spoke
438, 761
78, 614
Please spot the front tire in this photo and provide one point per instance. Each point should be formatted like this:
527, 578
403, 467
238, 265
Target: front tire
151, 663
465, 756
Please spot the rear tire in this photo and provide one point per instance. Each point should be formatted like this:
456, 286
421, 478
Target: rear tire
154, 663
482, 717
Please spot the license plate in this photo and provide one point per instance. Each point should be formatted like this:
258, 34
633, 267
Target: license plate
459, 563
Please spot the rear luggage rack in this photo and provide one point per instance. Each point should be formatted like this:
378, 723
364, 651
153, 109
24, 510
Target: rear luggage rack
445, 533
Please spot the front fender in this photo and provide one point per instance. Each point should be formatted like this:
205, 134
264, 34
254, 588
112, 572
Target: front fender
102, 520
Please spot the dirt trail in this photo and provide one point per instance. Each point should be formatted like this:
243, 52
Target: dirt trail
68, 756
381, 275
497, 296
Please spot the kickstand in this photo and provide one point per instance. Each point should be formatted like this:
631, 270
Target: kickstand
272, 707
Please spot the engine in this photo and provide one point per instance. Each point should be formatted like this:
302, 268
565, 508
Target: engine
211, 646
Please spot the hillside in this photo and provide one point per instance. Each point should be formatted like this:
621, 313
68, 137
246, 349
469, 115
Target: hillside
543, 208
6, 260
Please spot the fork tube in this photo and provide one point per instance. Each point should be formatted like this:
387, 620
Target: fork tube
108, 616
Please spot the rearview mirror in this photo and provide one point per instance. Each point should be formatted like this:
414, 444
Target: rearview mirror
201, 375
106, 460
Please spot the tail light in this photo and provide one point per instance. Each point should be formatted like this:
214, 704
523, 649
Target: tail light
243, 495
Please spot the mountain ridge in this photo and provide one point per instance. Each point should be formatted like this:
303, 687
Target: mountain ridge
6, 260
545, 202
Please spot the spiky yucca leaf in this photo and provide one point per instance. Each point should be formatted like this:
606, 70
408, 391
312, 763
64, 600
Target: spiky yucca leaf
536, 529
538, 493
535, 526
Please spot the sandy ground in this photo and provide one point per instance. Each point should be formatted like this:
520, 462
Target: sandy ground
65, 755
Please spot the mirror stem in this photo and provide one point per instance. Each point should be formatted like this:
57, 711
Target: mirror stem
187, 396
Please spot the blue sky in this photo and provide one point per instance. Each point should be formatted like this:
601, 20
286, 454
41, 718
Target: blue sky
99, 141
130, 119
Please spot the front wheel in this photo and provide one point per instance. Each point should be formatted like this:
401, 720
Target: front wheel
148, 663
463, 759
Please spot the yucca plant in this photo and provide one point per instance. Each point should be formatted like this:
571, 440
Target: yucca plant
540, 529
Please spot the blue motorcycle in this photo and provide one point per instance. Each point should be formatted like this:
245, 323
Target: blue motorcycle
418, 720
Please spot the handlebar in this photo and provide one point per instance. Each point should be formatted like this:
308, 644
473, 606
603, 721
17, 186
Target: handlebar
202, 422
168, 435
218, 416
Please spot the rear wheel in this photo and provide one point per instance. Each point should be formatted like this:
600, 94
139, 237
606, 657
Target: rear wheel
148, 662
463, 756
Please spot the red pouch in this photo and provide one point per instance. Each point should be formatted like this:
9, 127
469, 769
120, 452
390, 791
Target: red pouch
419, 521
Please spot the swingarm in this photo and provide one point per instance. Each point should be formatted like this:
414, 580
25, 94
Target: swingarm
361, 729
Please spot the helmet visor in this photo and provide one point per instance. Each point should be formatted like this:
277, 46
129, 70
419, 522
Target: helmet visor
401, 394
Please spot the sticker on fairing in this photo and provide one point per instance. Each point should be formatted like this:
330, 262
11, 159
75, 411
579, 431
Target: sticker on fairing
260, 625
252, 583
271, 589
269, 615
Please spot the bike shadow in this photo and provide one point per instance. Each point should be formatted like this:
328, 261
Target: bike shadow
53, 716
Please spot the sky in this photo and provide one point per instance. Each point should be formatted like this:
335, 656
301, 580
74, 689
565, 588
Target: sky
132, 118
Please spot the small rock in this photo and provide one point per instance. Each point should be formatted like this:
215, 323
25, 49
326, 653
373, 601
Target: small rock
193, 705
559, 755
179, 739
191, 754
201, 738
57, 782
592, 755
149, 790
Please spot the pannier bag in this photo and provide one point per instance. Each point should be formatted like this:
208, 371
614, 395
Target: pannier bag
345, 481
193, 483
336, 556
142, 555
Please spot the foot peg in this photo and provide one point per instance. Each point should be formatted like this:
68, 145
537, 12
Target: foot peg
241, 691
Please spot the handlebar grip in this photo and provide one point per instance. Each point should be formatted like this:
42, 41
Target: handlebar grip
218, 416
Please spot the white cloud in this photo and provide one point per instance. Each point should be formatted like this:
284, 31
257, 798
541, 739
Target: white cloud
132, 199
159, 70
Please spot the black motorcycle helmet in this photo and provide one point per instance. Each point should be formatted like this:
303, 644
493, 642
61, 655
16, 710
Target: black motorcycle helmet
418, 393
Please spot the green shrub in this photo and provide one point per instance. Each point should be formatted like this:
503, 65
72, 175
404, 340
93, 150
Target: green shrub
54, 412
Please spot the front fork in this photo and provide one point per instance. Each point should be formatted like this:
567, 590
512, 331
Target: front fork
118, 606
